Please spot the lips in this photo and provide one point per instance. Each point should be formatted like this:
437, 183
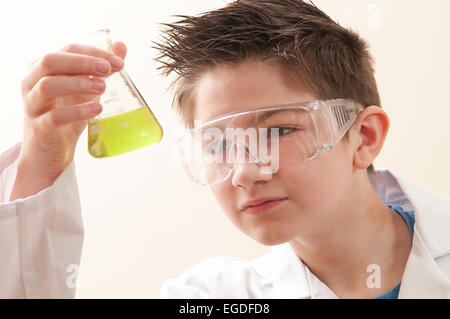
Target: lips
260, 202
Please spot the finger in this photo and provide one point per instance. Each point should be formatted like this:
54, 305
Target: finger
86, 49
65, 115
40, 99
120, 49
68, 63
71, 63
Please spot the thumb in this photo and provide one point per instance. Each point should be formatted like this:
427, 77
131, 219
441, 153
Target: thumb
119, 49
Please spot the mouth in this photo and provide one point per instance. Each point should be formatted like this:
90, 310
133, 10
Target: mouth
261, 205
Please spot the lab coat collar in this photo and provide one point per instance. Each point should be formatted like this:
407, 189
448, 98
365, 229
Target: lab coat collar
292, 279
422, 277
431, 211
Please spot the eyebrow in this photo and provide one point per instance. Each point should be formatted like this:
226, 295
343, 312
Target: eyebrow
268, 114
264, 116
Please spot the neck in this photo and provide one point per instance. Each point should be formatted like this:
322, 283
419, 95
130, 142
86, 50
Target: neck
364, 232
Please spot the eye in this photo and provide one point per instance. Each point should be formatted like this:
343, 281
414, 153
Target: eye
280, 131
218, 146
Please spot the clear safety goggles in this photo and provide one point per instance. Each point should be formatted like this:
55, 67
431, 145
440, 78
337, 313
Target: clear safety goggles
271, 138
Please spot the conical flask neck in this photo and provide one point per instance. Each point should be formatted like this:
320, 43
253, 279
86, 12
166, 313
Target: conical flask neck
100, 39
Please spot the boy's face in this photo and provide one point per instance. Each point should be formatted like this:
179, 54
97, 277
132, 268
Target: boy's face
312, 190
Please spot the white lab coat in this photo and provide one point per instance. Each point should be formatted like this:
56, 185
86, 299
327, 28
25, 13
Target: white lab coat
42, 235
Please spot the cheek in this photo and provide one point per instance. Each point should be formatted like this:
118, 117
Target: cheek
224, 195
302, 185
315, 186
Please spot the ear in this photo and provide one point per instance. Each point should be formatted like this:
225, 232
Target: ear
368, 134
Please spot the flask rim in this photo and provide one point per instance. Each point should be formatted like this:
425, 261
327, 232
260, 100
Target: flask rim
104, 30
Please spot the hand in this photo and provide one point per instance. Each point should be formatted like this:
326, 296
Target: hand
56, 95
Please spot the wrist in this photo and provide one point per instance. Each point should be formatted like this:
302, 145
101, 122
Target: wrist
30, 181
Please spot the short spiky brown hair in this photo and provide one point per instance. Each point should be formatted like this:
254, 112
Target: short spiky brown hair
329, 60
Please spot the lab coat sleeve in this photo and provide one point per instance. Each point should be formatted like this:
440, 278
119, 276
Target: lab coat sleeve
41, 236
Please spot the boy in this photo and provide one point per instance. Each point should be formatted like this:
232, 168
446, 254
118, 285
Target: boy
339, 228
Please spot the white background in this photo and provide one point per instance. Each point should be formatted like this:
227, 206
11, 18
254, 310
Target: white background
144, 220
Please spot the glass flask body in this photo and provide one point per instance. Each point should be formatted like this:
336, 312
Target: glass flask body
126, 122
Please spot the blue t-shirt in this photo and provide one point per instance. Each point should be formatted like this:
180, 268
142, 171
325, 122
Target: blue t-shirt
409, 218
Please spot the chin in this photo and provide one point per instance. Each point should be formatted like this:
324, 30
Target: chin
270, 238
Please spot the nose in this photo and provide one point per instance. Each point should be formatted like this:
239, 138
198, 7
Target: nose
245, 173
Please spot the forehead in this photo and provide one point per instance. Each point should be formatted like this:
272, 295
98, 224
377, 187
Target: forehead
246, 86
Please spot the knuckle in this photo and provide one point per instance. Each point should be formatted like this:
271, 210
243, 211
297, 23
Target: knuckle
44, 85
52, 119
47, 61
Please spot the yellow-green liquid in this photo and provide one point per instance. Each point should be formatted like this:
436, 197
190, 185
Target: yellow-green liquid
123, 133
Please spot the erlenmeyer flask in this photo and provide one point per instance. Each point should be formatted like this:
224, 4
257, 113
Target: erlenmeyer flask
126, 122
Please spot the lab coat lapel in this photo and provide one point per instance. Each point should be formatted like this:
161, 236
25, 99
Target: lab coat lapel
422, 278
293, 279
318, 289
289, 275
432, 215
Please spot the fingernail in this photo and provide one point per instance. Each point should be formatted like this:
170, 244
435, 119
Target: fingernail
98, 85
95, 108
102, 67
116, 62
